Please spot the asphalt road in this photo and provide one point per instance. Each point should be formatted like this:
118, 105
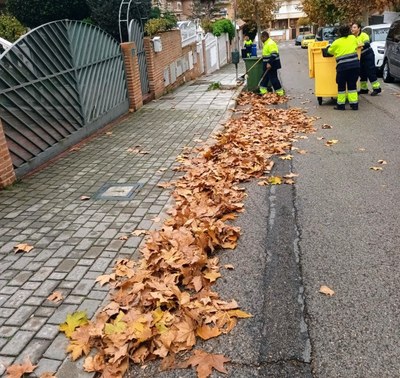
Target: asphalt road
348, 219
337, 226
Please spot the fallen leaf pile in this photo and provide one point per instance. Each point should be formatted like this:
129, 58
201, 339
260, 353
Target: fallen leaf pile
161, 304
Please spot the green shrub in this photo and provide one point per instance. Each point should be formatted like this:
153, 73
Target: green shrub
10, 28
223, 26
159, 25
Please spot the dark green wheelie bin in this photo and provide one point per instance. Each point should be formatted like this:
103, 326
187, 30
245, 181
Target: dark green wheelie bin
254, 70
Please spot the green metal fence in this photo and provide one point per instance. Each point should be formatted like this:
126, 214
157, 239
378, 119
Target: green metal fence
58, 84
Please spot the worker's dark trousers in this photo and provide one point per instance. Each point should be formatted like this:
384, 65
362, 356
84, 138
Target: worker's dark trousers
367, 67
272, 77
347, 78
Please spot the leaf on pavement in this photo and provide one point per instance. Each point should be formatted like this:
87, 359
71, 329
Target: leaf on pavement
47, 374
23, 247
18, 370
326, 126
376, 168
302, 152
84, 198
55, 297
286, 157
326, 290
205, 362
74, 321
139, 232
105, 278
383, 162
229, 266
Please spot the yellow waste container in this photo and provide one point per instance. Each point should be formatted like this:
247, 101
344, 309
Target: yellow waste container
323, 70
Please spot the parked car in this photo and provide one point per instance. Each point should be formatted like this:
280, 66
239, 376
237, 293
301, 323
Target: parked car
298, 40
308, 38
391, 60
377, 35
326, 33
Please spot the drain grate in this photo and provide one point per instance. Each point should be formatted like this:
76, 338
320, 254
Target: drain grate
117, 192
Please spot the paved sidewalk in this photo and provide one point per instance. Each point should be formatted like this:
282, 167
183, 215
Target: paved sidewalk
77, 240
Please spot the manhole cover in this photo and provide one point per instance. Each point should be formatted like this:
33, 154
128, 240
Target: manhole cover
117, 192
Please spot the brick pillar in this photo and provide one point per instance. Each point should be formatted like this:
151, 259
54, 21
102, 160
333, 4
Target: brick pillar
148, 48
132, 75
7, 174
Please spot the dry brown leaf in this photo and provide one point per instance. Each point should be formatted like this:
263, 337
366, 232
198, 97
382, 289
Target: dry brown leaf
291, 175
109, 133
140, 232
302, 152
286, 157
18, 370
320, 138
326, 290
383, 162
48, 374
23, 247
156, 219
206, 332
331, 142
376, 168
105, 278
123, 237
326, 126
229, 266
205, 362
84, 198
55, 297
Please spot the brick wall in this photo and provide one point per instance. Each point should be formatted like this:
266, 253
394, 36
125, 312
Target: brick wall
132, 75
7, 174
171, 52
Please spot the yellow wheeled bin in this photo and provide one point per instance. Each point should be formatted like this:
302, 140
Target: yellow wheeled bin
323, 70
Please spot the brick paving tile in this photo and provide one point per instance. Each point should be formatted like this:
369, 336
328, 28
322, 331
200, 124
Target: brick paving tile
76, 241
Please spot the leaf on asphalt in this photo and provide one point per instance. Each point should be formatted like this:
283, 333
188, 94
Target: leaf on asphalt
229, 266
331, 142
288, 181
23, 247
376, 168
320, 138
140, 232
383, 162
205, 362
326, 126
18, 370
291, 175
263, 183
326, 290
302, 152
109, 133
73, 321
55, 297
286, 157
361, 149
303, 137
275, 180
206, 332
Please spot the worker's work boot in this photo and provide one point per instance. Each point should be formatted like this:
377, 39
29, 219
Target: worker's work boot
339, 107
354, 106
376, 91
363, 91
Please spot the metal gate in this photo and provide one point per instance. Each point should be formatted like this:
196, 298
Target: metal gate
211, 47
58, 84
136, 34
